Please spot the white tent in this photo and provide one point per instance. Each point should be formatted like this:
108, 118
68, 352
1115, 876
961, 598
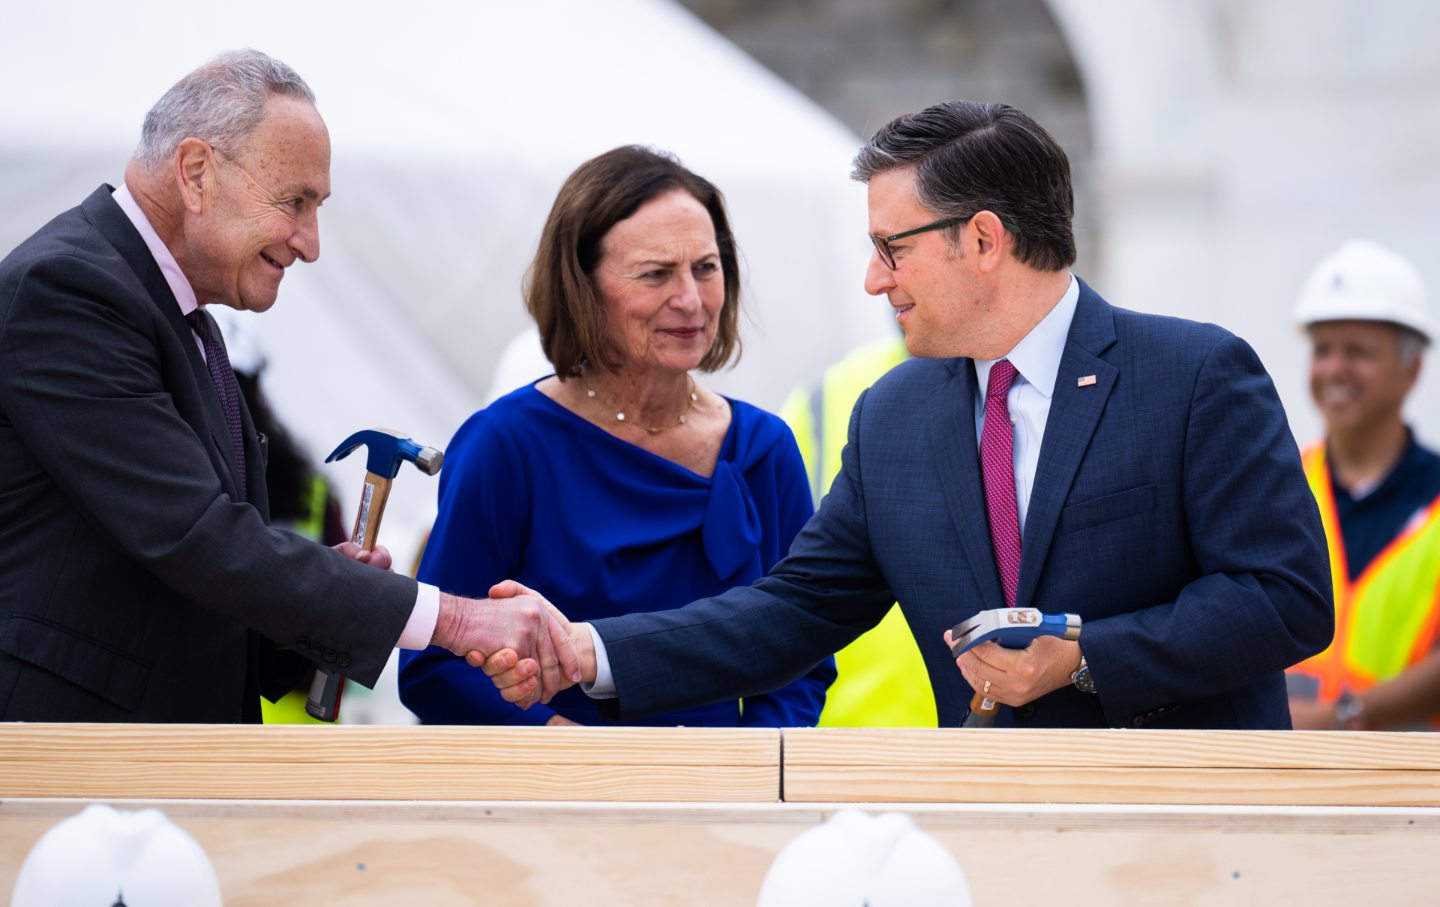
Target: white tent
453, 125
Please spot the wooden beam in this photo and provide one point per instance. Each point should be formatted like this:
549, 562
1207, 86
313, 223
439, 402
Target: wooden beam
1116, 766
389, 763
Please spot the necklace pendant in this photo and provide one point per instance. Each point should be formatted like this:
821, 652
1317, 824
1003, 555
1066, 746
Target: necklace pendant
619, 417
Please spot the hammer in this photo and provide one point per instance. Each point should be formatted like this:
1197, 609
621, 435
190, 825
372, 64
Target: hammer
1013, 628
388, 449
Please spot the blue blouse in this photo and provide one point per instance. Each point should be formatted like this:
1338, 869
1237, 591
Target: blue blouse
532, 492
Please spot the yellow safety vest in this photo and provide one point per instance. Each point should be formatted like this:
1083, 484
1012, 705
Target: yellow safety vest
1385, 621
882, 680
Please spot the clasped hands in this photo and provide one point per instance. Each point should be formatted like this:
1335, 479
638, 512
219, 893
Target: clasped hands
521, 641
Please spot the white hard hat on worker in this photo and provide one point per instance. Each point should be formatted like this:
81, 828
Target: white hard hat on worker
1364, 281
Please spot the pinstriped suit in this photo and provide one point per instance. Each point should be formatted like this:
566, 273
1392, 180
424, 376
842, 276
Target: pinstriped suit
134, 587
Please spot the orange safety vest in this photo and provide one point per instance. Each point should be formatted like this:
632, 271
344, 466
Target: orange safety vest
1386, 620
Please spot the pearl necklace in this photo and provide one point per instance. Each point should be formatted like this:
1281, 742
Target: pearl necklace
620, 416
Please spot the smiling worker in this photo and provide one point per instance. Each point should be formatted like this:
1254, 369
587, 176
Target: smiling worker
1044, 449
1379, 494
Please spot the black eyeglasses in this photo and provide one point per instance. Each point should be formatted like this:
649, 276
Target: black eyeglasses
882, 243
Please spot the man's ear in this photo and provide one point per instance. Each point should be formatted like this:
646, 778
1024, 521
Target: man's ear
990, 239
195, 174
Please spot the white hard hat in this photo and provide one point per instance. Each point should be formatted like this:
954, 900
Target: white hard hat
1364, 281
104, 857
859, 860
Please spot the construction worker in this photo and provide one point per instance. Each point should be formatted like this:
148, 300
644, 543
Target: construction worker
1364, 309
882, 680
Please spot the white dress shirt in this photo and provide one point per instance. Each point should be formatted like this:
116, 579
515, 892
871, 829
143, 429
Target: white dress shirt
421, 626
1037, 359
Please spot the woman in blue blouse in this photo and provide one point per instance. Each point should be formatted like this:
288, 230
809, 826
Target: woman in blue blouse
619, 484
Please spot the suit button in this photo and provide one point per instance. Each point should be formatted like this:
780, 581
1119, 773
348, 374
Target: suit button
1138, 721
342, 660
316, 648
302, 642
1025, 711
329, 655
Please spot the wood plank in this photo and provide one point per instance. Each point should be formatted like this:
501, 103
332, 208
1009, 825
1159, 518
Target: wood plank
547, 855
396, 763
907, 783
1017, 747
428, 781
355, 744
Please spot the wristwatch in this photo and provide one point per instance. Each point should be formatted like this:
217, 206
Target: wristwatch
1081, 678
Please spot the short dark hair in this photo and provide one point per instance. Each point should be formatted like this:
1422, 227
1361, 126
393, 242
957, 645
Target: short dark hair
970, 157
561, 293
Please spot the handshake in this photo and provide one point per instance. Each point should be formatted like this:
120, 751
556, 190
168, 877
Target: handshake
521, 641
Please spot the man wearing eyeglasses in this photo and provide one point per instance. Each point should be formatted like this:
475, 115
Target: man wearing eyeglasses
1043, 449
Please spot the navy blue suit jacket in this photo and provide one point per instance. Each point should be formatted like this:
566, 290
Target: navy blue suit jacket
1169, 510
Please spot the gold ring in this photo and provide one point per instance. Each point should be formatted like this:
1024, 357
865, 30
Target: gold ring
987, 688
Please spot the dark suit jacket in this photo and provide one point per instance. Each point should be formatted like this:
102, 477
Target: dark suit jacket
1169, 511
130, 578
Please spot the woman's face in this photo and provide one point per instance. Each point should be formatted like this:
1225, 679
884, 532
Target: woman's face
661, 283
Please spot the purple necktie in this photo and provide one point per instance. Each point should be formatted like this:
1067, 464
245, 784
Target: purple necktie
997, 464
225, 386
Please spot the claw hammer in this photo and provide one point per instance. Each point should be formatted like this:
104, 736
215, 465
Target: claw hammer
1013, 628
387, 450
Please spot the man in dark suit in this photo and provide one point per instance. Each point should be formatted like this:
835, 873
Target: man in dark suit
1045, 449
141, 581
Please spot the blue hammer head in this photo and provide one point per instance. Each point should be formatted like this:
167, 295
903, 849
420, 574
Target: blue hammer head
388, 449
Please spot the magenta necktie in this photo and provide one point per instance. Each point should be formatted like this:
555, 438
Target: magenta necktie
997, 464
225, 387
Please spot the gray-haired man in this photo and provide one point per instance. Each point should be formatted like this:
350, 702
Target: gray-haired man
142, 582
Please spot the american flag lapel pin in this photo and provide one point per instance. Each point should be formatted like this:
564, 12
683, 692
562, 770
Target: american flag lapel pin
1085, 381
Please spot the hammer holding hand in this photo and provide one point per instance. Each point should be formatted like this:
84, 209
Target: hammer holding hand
1013, 628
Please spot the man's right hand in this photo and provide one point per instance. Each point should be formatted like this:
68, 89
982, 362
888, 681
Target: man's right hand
514, 676
514, 621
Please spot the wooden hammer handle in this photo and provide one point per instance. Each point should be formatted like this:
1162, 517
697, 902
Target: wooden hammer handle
372, 507
982, 711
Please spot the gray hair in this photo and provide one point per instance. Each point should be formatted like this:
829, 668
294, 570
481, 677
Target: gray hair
221, 103
1411, 345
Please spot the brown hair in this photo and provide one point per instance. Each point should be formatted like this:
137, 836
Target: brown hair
560, 290
969, 157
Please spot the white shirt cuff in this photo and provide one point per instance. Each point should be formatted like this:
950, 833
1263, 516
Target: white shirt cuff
604, 685
420, 629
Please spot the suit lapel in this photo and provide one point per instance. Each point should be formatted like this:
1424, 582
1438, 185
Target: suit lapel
954, 447
102, 211
1074, 413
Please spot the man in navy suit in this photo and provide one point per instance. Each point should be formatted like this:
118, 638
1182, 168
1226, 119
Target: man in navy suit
1043, 449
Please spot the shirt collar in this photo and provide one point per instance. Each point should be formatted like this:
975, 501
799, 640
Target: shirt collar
169, 267
1037, 356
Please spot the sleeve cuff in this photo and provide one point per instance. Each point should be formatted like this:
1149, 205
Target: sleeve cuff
604, 685
420, 629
